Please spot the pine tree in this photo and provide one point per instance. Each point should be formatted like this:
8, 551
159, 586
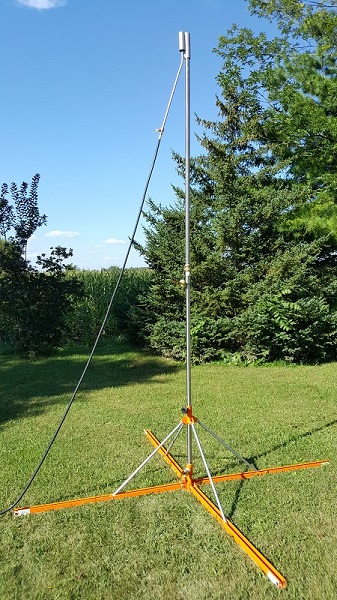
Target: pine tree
263, 204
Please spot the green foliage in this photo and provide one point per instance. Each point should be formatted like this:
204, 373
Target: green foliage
27, 216
300, 331
85, 319
12, 267
294, 80
6, 212
263, 205
33, 303
23, 217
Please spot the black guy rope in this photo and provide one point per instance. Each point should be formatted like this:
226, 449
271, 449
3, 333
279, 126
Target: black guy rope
132, 239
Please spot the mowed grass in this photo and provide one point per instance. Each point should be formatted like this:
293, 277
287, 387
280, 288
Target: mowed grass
165, 546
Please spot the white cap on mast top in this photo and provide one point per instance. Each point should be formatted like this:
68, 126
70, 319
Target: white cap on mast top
184, 43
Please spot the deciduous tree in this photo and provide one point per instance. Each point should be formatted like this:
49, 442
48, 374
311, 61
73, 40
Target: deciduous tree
33, 302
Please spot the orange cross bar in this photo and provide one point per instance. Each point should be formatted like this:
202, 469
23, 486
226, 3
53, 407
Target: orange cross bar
268, 569
271, 470
33, 510
186, 481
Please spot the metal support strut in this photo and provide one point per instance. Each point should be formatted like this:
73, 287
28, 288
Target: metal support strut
188, 482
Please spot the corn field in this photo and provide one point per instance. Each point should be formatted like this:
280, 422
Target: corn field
88, 312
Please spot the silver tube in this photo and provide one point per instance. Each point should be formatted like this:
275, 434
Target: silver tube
187, 45
146, 461
227, 446
209, 474
182, 41
187, 239
189, 445
187, 224
174, 439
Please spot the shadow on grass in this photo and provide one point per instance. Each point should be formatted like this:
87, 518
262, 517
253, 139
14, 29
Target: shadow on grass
253, 459
113, 484
29, 387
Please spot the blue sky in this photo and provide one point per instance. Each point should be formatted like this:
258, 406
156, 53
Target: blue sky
85, 84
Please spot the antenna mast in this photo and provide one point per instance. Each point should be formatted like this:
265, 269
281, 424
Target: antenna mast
184, 46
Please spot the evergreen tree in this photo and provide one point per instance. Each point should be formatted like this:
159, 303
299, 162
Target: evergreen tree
263, 204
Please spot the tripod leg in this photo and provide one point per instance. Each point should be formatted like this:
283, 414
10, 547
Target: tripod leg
146, 460
228, 447
174, 439
208, 473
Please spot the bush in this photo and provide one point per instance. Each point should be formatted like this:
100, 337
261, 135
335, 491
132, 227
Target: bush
301, 331
33, 303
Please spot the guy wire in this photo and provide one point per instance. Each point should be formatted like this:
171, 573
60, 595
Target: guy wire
132, 239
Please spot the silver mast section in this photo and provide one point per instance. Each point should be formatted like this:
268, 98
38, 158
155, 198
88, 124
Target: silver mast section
184, 46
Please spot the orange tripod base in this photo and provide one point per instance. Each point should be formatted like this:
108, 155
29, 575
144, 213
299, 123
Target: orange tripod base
192, 485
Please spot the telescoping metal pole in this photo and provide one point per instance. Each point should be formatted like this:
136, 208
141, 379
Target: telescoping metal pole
184, 46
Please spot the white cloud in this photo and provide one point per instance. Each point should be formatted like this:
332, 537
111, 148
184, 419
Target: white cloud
42, 4
63, 234
113, 241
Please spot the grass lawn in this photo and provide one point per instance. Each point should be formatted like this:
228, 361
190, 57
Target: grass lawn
166, 545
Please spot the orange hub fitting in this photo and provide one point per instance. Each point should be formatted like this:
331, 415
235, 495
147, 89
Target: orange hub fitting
188, 418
